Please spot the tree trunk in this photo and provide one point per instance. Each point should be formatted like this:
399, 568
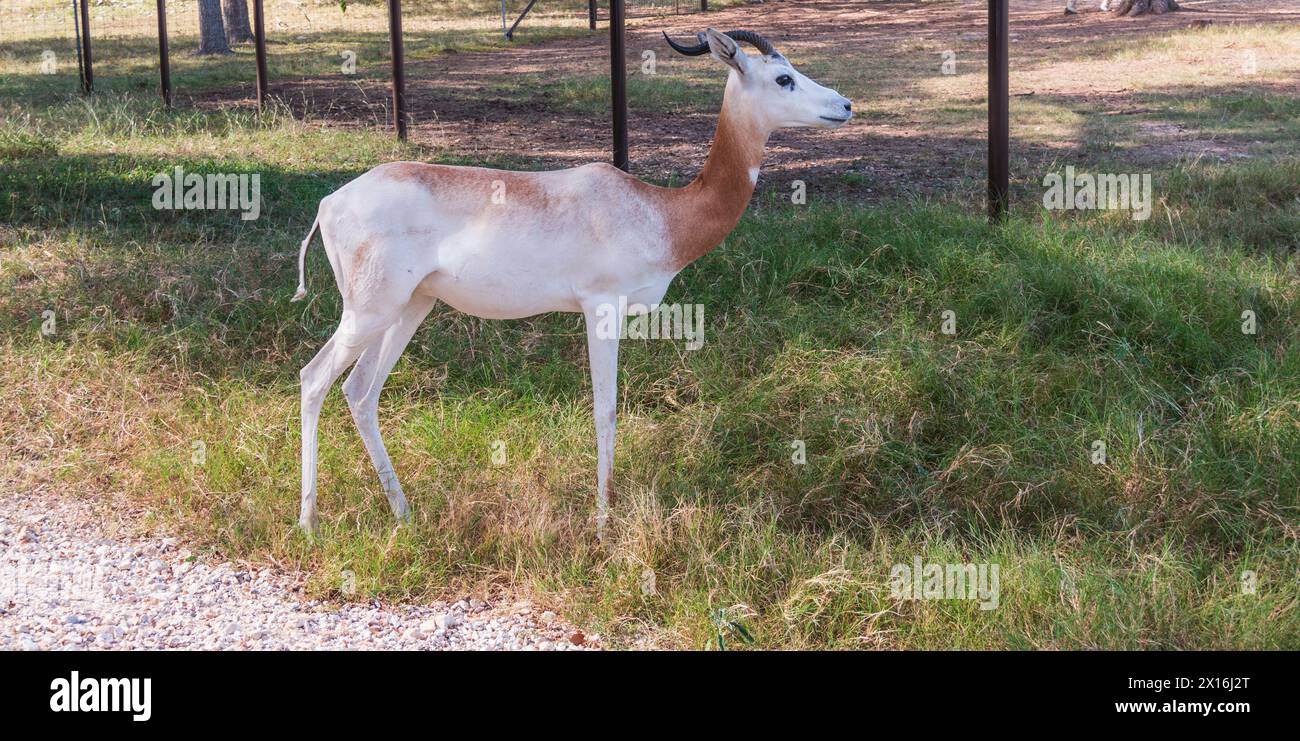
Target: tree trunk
238, 30
1141, 7
212, 31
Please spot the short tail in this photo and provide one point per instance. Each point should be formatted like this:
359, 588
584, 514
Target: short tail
302, 258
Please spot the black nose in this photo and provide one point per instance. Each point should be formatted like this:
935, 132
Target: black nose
848, 107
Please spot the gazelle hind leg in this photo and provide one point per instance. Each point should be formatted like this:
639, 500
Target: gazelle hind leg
363, 387
317, 376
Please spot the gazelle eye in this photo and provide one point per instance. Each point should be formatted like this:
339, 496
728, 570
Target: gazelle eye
785, 81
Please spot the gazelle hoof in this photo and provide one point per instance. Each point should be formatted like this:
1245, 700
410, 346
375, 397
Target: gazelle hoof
401, 510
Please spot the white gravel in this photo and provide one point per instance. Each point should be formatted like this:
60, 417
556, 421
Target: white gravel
64, 584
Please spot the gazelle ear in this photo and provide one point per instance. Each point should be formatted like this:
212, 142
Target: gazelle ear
726, 50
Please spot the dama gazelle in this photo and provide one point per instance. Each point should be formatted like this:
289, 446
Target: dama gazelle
508, 245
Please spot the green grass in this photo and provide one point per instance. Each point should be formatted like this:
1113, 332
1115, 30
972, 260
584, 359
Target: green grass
822, 325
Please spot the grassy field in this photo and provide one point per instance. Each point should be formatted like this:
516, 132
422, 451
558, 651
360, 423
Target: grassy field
174, 333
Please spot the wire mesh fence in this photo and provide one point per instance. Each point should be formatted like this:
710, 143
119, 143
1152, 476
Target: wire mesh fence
41, 47
124, 42
38, 46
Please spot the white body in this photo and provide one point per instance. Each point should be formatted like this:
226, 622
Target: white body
435, 236
506, 245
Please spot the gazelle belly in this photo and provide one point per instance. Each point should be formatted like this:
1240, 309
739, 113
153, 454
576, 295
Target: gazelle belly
500, 279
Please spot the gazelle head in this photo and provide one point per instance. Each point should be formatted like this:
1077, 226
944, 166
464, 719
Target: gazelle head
767, 86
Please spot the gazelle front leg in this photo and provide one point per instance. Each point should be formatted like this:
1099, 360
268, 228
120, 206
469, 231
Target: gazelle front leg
604, 327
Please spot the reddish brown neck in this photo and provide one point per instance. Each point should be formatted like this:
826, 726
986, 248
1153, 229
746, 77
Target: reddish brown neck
704, 212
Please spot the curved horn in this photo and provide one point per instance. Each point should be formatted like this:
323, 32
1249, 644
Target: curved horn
763, 45
690, 51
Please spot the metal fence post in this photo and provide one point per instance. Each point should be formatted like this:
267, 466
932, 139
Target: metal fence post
999, 113
591, 14
259, 40
618, 82
399, 67
164, 61
87, 69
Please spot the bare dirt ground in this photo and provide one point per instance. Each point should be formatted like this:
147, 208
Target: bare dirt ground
915, 133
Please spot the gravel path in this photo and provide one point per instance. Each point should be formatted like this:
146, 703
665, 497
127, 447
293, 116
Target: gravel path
65, 584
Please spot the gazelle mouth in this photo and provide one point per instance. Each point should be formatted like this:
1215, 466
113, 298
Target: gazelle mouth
836, 120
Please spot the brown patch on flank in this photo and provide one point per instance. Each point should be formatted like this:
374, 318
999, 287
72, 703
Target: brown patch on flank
521, 188
436, 179
360, 257
361, 253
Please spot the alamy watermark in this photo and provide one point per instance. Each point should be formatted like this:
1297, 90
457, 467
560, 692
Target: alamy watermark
1089, 192
653, 322
94, 695
177, 191
967, 581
